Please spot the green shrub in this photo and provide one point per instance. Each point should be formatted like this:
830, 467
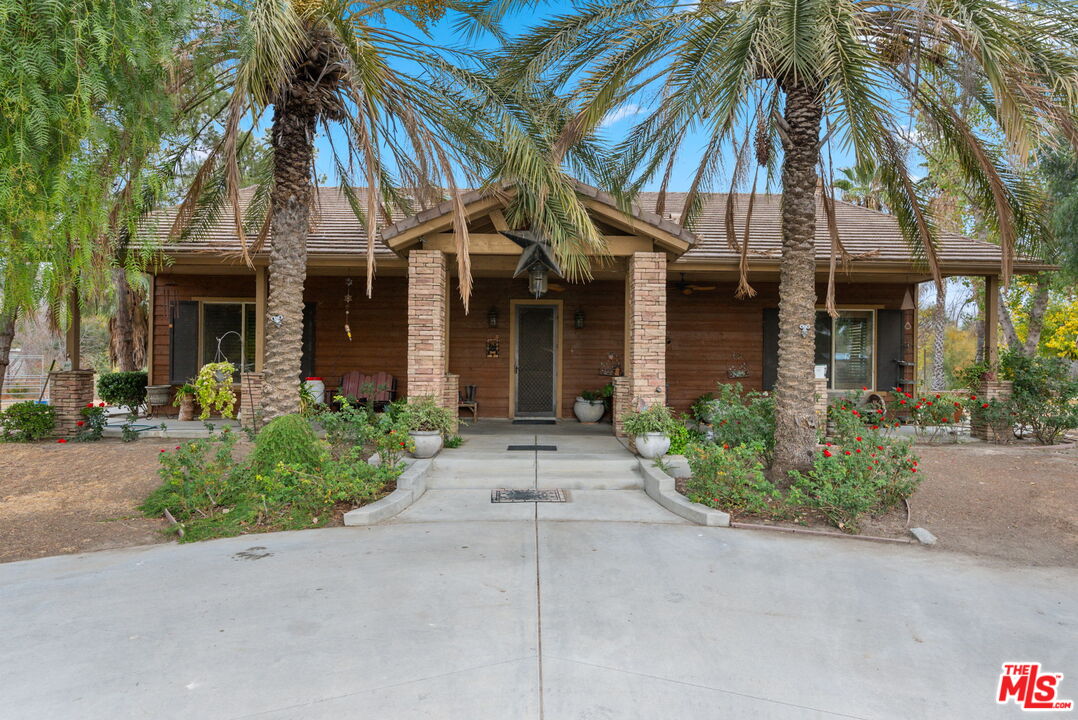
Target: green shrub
865, 474
681, 438
126, 389
1044, 398
996, 415
454, 441
287, 439
655, 419
424, 414
27, 421
92, 425
359, 426
740, 418
730, 478
592, 395
212, 495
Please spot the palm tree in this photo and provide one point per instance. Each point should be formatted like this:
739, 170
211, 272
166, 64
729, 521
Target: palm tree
860, 185
816, 74
404, 117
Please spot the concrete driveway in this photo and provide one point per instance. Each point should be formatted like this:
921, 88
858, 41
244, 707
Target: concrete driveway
463, 609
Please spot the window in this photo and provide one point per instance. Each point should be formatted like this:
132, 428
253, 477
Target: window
228, 334
846, 345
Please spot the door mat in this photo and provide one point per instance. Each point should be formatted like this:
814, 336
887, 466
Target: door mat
532, 448
535, 422
508, 495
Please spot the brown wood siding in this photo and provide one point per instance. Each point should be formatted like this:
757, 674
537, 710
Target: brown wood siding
188, 287
712, 331
708, 331
379, 328
582, 350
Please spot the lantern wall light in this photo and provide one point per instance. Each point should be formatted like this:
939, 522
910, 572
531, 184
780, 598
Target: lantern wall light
578, 320
492, 317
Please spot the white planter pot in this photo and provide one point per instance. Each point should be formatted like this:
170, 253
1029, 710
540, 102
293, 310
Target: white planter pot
317, 388
427, 443
652, 445
588, 411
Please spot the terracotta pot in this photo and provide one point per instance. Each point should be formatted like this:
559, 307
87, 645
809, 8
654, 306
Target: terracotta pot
187, 408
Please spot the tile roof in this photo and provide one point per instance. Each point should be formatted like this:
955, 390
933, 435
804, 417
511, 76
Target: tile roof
873, 235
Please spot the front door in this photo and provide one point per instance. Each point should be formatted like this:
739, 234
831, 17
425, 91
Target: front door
536, 360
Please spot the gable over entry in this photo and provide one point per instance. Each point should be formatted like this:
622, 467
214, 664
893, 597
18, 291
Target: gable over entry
625, 231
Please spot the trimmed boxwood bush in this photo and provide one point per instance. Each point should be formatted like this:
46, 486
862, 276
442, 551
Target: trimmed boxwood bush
27, 421
127, 389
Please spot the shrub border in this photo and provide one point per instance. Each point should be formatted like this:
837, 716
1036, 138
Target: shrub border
411, 485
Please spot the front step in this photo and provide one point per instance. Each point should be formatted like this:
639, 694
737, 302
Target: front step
568, 471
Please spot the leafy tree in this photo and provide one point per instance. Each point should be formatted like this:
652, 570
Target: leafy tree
404, 117
814, 73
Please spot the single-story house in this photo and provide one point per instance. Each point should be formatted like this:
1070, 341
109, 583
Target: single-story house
660, 311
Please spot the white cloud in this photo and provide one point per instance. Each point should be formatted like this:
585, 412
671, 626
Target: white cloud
625, 111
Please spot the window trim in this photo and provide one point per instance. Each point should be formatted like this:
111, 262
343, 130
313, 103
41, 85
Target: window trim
875, 341
202, 303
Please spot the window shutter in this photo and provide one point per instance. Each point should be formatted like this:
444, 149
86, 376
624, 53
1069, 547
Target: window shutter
183, 343
888, 348
771, 348
306, 363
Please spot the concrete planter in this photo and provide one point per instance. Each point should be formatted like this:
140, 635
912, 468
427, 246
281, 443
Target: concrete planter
427, 443
158, 394
589, 411
652, 445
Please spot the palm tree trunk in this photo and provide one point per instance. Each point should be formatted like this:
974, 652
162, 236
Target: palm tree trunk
795, 416
293, 152
939, 377
7, 335
1036, 316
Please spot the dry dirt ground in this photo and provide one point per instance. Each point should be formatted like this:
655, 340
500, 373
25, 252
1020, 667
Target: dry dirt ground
1016, 504
71, 498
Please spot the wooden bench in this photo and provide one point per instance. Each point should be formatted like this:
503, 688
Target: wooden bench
360, 388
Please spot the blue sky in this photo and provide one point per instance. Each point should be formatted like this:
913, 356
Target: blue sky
614, 128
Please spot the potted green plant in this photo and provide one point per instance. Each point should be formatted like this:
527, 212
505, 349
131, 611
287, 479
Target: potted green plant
184, 399
213, 389
428, 423
589, 406
650, 429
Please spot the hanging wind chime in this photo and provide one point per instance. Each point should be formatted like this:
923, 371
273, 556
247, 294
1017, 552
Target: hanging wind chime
347, 307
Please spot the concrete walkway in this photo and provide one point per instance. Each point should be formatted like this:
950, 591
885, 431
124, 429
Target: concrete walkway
605, 607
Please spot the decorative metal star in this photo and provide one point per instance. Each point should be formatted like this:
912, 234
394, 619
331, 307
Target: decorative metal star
537, 251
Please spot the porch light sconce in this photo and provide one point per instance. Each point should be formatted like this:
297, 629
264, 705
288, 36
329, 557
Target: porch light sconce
492, 317
578, 320
537, 260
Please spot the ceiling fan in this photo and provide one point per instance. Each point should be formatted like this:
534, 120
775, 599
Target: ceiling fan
688, 288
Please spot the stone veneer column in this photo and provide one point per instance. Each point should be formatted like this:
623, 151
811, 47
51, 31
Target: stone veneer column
620, 403
990, 390
451, 397
427, 325
645, 365
70, 392
251, 400
821, 403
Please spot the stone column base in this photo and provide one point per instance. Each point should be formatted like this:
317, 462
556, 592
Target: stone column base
251, 413
70, 392
622, 402
451, 397
821, 403
990, 390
